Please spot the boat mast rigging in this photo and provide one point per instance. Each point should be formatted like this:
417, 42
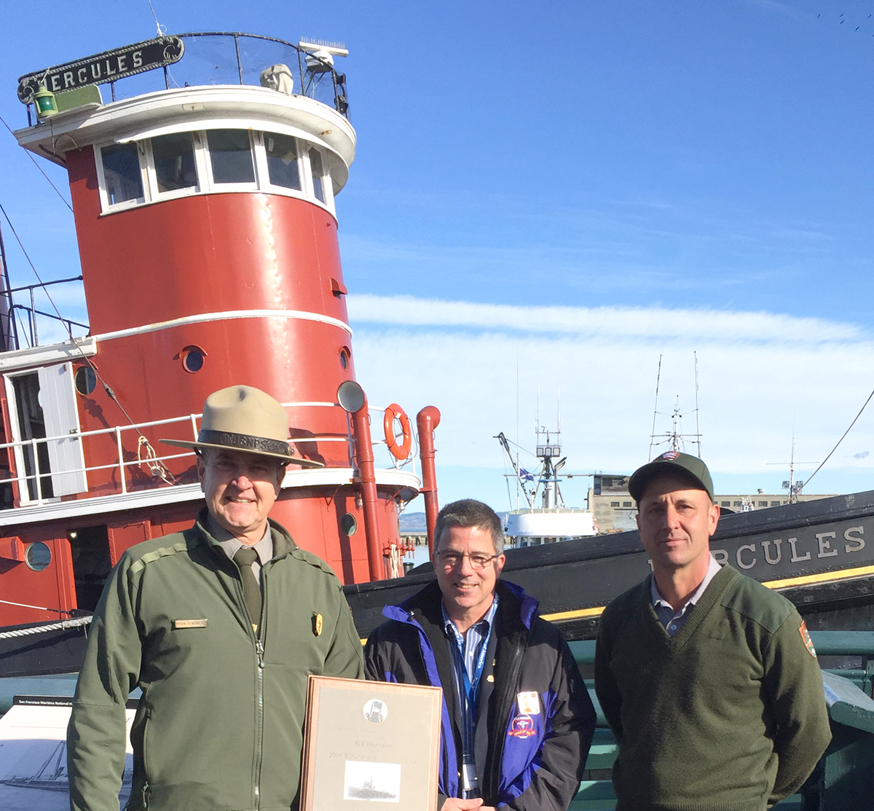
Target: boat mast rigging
675, 438
548, 452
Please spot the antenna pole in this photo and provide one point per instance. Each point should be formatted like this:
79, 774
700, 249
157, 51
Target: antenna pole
8, 332
516, 467
697, 410
655, 410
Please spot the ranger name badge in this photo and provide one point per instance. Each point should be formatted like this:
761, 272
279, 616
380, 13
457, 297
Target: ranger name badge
178, 624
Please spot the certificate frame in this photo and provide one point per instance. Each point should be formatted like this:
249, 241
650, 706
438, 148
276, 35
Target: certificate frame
370, 746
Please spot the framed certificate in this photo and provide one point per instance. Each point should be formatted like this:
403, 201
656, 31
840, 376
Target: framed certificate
370, 746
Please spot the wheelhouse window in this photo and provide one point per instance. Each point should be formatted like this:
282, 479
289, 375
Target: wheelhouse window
173, 156
208, 161
318, 174
283, 160
121, 173
230, 154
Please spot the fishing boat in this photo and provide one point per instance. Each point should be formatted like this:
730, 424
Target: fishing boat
546, 519
203, 170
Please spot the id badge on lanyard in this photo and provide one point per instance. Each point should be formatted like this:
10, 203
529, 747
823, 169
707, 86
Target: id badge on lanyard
469, 780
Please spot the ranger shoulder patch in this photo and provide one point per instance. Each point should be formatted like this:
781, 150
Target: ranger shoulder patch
805, 638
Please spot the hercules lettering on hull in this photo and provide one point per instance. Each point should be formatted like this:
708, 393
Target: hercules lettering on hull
843, 544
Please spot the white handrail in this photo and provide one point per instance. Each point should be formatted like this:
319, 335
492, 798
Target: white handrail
122, 465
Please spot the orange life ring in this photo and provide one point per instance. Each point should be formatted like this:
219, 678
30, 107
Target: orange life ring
398, 450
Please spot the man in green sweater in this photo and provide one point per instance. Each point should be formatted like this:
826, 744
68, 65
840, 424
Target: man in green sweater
708, 679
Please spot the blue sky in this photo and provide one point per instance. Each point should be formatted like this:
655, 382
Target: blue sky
548, 197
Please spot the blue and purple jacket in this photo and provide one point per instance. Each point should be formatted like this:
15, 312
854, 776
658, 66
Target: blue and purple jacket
535, 719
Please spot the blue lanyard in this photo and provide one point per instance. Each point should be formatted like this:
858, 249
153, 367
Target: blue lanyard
468, 695
471, 687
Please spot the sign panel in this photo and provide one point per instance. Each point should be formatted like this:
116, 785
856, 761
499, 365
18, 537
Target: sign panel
33, 756
106, 67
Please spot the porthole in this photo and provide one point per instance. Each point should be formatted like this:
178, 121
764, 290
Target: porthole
344, 357
86, 380
37, 556
348, 524
192, 358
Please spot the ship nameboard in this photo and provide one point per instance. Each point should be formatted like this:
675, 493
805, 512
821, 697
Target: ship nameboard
109, 66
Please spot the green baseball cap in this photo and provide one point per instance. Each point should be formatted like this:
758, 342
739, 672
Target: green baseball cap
689, 467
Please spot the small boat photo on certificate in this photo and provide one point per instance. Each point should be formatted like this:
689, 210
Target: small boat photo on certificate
370, 742
372, 781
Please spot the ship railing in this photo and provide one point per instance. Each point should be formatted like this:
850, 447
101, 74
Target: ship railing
148, 459
228, 58
11, 330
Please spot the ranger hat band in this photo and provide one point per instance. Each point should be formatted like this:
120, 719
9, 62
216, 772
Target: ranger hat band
243, 418
671, 462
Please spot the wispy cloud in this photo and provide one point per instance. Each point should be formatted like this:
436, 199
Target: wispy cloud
655, 324
490, 368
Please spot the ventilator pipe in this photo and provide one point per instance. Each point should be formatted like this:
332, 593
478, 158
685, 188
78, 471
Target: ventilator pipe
351, 397
426, 421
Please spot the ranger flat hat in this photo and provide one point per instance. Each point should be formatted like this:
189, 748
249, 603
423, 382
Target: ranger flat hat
243, 418
689, 467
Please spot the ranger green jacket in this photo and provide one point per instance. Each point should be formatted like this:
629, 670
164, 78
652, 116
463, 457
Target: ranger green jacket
219, 725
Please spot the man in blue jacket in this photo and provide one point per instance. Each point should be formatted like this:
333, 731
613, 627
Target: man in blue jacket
517, 719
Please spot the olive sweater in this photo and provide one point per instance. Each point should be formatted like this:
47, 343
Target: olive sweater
728, 714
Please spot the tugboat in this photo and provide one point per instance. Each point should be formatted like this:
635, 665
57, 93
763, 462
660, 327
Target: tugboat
203, 173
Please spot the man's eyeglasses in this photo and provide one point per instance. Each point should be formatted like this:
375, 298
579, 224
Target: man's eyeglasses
449, 559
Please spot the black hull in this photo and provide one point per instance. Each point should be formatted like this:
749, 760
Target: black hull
48, 653
819, 554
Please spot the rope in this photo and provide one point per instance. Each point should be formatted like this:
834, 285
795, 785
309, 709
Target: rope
156, 467
37, 607
63, 625
162, 29
36, 163
840, 440
394, 561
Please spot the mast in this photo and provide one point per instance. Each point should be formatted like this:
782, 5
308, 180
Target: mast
675, 438
8, 335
